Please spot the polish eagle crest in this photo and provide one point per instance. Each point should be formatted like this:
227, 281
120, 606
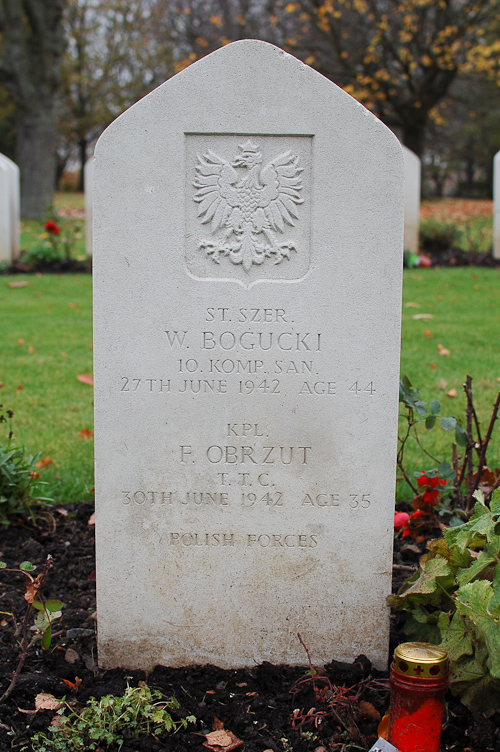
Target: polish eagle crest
247, 205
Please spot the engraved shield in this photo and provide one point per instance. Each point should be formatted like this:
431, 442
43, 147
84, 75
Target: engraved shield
248, 206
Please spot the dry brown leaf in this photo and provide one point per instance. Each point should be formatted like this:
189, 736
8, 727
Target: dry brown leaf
31, 349
56, 722
419, 316
86, 378
91, 519
43, 463
30, 593
20, 387
428, 333
444, 351
432, 365
412, 305
217, 724
451, 393
17, 284
222, 741
85, 434
20, 341
368, 711
46, 701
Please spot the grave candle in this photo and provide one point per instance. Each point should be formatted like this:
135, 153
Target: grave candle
419, 678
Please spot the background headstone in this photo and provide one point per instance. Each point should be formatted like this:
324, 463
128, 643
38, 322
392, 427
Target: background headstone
248, 233
5, 213
14, 203
412, 199
88, 180
496, 206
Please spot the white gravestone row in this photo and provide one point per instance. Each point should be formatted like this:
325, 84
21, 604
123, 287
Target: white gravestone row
248, 234
412, 200
496, 206
9, 209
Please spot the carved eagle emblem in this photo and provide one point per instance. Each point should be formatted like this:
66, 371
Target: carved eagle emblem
246, 204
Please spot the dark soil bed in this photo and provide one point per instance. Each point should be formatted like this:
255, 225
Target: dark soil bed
257, 704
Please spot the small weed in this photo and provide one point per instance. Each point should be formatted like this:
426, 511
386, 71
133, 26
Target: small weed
48, 612
101, 723
19, 481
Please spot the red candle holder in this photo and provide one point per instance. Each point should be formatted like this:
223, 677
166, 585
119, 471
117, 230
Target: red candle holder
419, 679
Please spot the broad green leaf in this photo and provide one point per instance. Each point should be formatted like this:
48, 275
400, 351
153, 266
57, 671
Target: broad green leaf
435, 407
432, 570
53, 605
38, 605
47, 638
456, 638
27, 566
448, 424
482, 696
473, 601
484, 560
461, 436
495, 502
430, 421
2, 565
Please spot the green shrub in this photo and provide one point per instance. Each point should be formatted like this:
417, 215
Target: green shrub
41, 253
454, 601
19, 481
107, 721
437, 236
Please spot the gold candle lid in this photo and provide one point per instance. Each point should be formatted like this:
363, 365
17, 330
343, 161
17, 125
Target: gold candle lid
421, 660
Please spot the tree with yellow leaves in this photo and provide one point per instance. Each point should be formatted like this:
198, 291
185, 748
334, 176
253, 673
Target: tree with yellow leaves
397, 57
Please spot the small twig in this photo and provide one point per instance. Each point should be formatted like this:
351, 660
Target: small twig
470, 401
309, 659
484, 444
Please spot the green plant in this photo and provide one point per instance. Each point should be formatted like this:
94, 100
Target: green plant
436, 236
19, 482
48, 611
468, 471
41, 253
139, 712
454, 600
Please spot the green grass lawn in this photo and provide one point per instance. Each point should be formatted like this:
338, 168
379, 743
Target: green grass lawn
46, 342
52, 316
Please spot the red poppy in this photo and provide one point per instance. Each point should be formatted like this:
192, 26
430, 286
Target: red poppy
52, 228
431, 495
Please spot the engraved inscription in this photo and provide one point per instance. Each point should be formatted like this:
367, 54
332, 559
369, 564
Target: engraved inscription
246, 204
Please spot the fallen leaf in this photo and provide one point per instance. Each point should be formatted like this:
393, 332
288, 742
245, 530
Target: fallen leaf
92, 576
86, 378
1, 384
243, 684
20, 387
31, 349
46, 701
20, 341
71, 656
428, 333
17, 284
73, 685
91, 519
222, 741
217, 724
432, 365
85, 434
444, 351
56, 722
34, 475
43, 463
419, 316
63, 355
442, 384
26, 712
412, 305
3, 623
62, 511
451, 393
368, 711
71, 305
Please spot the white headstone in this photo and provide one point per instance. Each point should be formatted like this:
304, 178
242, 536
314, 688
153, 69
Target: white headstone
412, 199
496, 206
5, 214
14, 204
248, 231
88, 180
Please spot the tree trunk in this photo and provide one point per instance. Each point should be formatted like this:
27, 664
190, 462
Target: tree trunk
82, 147
36, 156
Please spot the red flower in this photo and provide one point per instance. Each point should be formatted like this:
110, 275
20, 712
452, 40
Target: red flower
52, 228
401, 520
431, 495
